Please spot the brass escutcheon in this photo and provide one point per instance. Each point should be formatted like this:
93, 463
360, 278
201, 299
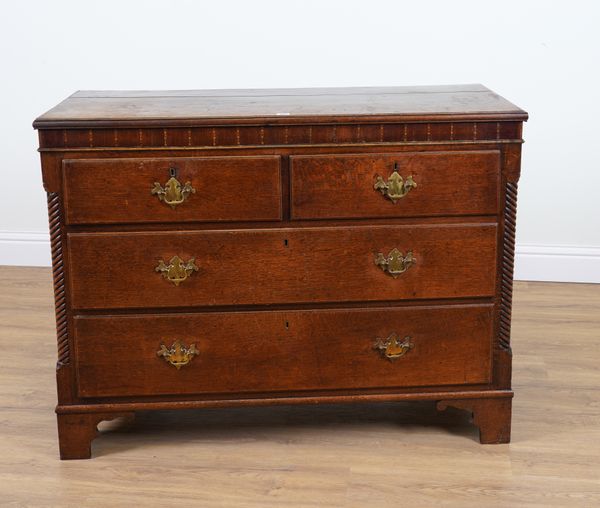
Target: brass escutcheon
395, 263
393, 347
173, 193
176, 271
396, 187
178, 355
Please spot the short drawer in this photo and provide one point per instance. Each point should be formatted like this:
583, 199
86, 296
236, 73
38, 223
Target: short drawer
407, 184
287, 265
178, 189
244, 352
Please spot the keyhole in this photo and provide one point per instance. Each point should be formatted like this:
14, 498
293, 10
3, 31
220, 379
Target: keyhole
285, 242
395, 166
287, 324
172, 172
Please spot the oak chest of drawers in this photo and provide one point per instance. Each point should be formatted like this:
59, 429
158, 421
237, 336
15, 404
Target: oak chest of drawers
239, 247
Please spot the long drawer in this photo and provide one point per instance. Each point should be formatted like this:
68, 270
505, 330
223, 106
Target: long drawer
291, 265
177, 189
408, 184
240, 352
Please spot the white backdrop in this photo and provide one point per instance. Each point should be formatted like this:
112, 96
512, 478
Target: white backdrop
542, 55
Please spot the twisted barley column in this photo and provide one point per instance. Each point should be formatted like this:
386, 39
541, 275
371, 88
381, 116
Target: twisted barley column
508, 262
54, 213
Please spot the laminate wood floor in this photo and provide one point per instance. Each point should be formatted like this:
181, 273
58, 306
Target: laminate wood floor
386, 455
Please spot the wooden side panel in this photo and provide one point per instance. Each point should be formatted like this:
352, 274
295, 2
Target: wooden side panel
116, 191
447, 183
286, 350
117, 270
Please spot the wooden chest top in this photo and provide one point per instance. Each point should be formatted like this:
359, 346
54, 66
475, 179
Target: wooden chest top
180, 108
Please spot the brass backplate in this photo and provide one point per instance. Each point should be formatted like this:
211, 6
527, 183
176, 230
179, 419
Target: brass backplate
176, 271
178, 355
173, 193
393, 347
395, 263
395, 187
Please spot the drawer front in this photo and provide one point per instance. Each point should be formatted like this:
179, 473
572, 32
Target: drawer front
395, 185
268, 266
178, 189
244, 352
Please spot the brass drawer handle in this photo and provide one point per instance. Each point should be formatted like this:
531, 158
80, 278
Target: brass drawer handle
395, 263
173, 193
176, 271
396, 187
178, 355
393, 347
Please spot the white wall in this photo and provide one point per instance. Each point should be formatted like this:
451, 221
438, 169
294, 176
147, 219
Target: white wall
542, 55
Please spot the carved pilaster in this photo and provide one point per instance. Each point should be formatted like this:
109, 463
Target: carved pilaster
54, 215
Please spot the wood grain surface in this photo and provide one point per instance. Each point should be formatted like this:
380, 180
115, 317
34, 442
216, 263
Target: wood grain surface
377, 455
114, 191
278, 266
172, 107
447, 183
245, 352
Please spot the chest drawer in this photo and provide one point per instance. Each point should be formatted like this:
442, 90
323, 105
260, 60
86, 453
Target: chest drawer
286, 350
395, 185
179, 189
291, 265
